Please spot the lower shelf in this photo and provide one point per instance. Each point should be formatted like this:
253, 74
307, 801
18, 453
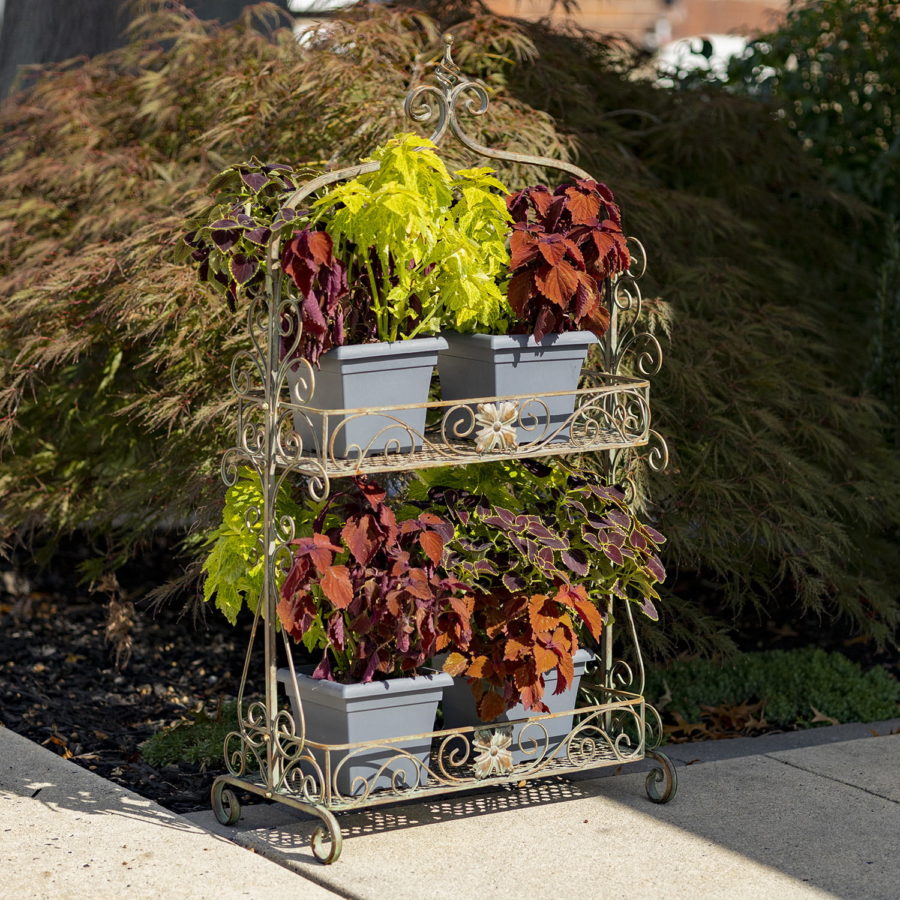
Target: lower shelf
308, 776
341, 777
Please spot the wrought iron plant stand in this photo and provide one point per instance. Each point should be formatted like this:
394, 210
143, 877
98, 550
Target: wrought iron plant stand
269, 755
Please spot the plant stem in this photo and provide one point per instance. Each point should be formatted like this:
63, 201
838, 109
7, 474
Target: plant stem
376, 301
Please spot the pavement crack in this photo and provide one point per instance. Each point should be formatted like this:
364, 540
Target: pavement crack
831, 778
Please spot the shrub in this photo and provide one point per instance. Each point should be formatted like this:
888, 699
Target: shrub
793, 684
115, 404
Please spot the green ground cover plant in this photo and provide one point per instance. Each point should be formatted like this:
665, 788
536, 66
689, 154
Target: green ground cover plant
795, 686
782, 494
199, 741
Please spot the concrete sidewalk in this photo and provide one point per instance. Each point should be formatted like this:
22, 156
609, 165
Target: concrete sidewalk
781, 820
773, 822
68, 834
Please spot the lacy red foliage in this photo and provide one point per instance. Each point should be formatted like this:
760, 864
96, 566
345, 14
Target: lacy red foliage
564, 247
368, 592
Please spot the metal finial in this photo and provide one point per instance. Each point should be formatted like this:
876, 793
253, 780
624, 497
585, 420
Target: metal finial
447, 72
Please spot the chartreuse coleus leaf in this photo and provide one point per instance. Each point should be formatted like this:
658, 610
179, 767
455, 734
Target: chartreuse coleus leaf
433, 244
234, 566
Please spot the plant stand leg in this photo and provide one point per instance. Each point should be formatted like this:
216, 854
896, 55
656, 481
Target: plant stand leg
326, 840
225, 804
665, 775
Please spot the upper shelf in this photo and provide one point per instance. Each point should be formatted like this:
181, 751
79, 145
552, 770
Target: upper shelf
613, 413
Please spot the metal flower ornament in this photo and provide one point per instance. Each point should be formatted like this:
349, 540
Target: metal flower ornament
494, 756
498, 426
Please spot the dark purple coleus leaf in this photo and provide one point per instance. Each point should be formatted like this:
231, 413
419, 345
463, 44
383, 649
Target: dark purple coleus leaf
619, 518
225, 239
224, 225
514, 583
613, 554
576, 560
637, 540
242, 268
508, 517
656, 567
649, 610
259, 236
254, 180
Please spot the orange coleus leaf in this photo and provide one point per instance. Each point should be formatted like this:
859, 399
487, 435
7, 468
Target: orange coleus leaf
522, 249
557, 283
605, 242
480, 668
320, 247
591, 617
575, 597
553, 248
490, 706
542, 199
455, 664
520, 290
583, 207
516, 649
433, 544
542, 613
565, 672
544, 659
336, 586
360, 535
530, 697
525, 673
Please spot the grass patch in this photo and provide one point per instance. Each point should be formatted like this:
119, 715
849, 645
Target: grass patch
793, 685
201, 741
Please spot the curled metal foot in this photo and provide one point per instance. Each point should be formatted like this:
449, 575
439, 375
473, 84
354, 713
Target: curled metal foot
326, 841
665, 775
225, 804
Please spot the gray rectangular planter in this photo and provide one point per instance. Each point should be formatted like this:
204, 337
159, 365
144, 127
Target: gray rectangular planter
349, 713
489, 365
459, 710
363, 376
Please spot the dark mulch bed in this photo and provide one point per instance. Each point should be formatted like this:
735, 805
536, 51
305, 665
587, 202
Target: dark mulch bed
60, 687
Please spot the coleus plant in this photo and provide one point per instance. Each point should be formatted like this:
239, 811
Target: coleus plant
538, 574
234, 568
367, 589
429, 245
564, 246
229, 240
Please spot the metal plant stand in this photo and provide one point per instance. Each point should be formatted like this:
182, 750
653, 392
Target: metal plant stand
269, 754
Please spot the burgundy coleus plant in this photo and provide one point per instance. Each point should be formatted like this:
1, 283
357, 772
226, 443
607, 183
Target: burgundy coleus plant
321, 280
370, 593
564, 246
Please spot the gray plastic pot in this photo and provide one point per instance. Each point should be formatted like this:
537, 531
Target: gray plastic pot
490, 365
363, 376
350, 713
459, 711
